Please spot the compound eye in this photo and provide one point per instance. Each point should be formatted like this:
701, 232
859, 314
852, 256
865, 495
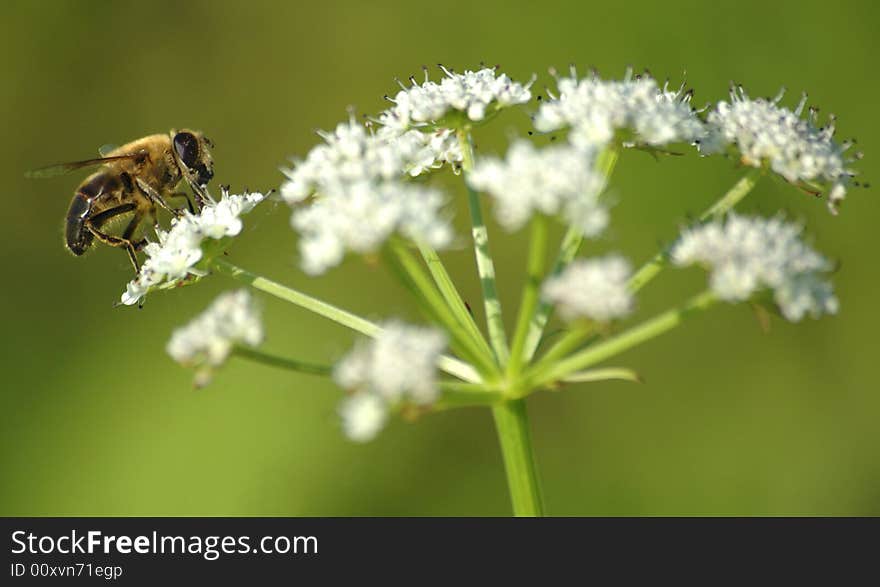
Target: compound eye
186, 145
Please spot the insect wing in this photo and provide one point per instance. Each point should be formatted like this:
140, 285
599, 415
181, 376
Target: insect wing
105, 150
65, 168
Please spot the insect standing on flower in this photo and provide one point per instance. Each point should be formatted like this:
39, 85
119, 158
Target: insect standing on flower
133, 181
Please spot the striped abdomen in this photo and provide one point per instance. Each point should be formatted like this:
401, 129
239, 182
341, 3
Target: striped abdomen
77, 236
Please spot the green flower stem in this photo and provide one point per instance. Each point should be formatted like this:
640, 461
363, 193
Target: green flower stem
485, 264
263, 358
511, 420
734, 195
569, 342
512, 425
571, 244
537, 259
457, 394
450, 365
451, 400
543, 375
606, 374
411, 273
458, 368
472, 388
453, 298
297, 298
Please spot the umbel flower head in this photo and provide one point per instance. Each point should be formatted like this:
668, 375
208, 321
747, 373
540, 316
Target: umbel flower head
356, 177
360, 198
556, 180
763, 132
361, 216
399, 365
746, 255
176, 255
592, 289
472, 95
596, 111
205, 343
352, 153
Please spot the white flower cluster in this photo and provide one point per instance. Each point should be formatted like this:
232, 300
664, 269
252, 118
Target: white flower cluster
746, 255
353, 154
173, 257
361, 216
556, 180
357, 175
207, 340
361, 199
398, 365
595, 110
363, 416
476, 94
595, 289
794, 147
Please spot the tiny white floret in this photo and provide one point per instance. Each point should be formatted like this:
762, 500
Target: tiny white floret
206, 341
746, 255
363, 416
594, 289
556, 180
475, 94
399, 364
763, 132
175, 254
595, 110
360, 216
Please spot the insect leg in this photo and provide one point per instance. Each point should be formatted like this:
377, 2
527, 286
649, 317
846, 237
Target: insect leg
98, 220
115, 241
139, 216
185, 197
93, 224
155, 196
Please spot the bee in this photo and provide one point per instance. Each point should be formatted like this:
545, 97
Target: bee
133, 182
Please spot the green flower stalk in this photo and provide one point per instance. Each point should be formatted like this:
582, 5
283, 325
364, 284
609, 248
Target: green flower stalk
485, 264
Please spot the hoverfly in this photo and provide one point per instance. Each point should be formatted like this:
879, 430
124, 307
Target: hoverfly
134, 180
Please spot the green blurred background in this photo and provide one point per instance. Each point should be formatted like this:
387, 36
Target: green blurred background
98, 420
